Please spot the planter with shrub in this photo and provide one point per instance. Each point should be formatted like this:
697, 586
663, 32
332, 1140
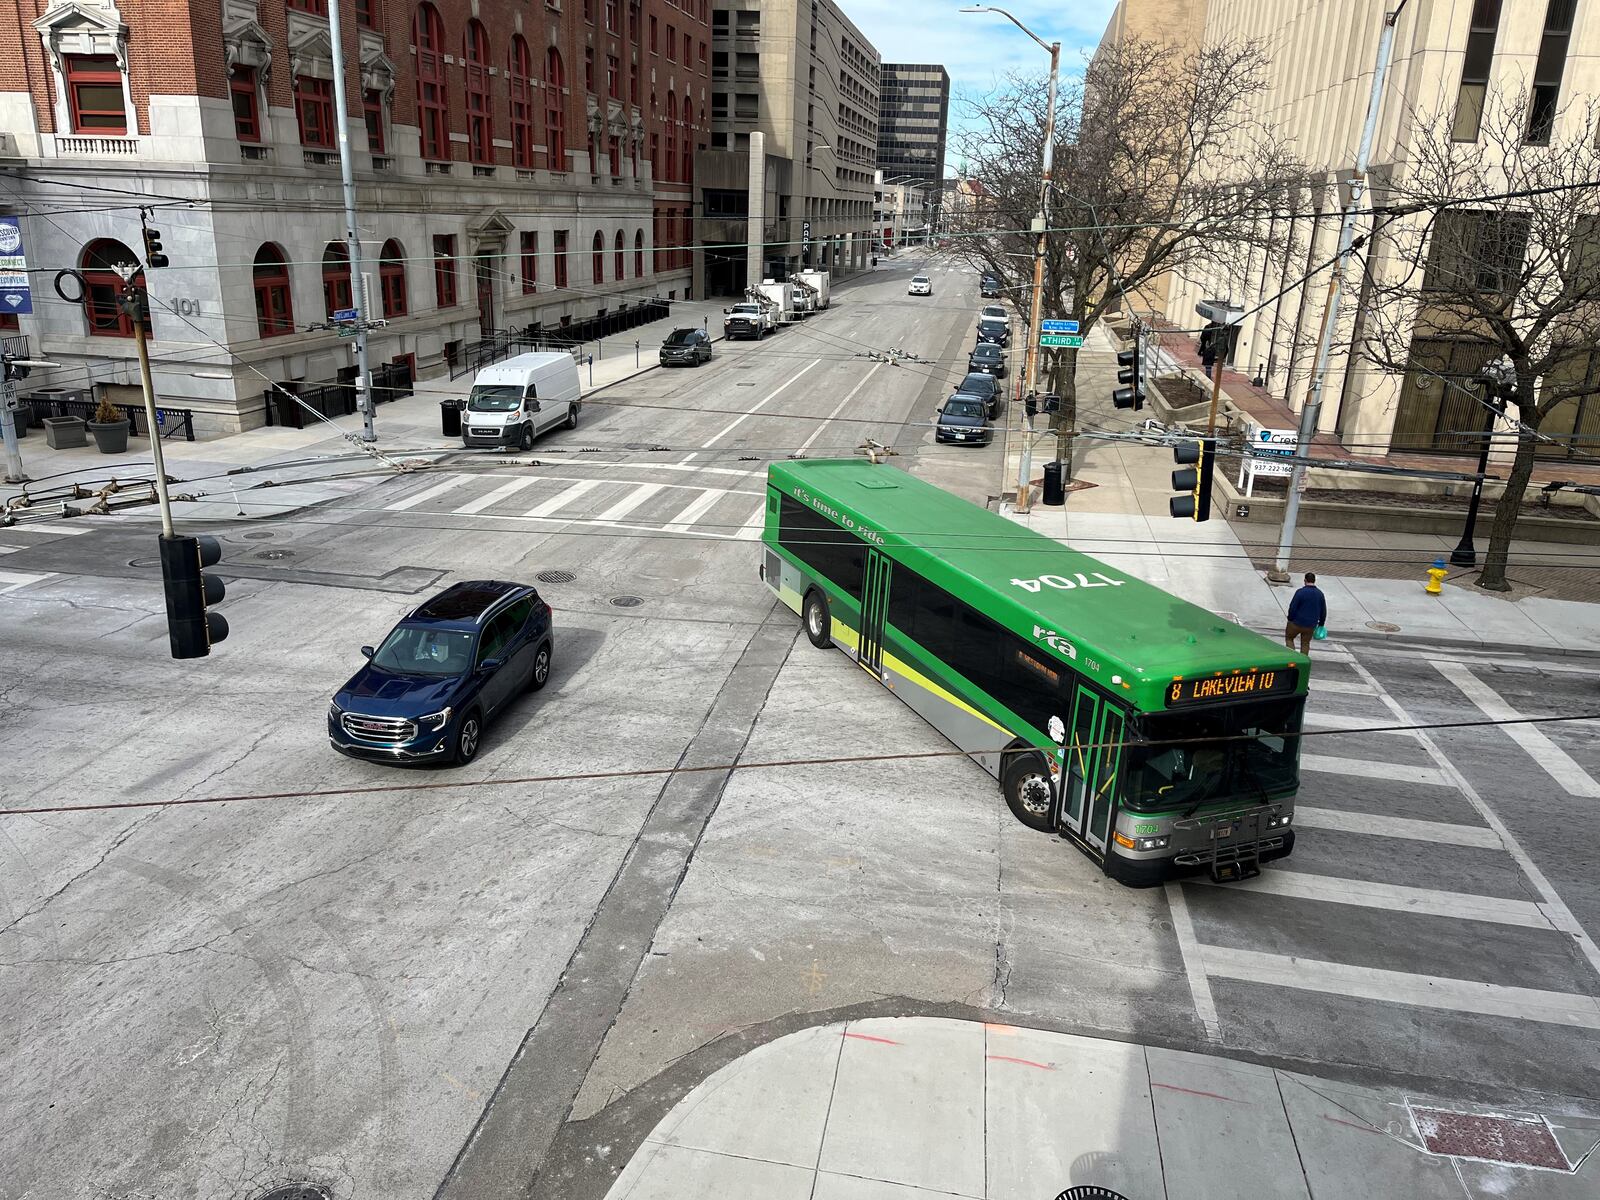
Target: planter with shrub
110, 428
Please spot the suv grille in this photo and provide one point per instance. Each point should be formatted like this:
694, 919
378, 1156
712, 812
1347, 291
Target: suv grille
379, 729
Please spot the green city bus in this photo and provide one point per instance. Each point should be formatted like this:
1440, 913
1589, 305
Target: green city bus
1151, 733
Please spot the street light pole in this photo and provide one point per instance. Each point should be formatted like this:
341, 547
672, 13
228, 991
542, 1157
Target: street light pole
1500, 383
352, 233
1040, 225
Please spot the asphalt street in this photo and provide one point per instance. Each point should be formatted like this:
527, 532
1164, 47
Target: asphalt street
464, 983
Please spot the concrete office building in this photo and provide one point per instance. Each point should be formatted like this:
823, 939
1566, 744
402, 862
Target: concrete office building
802, 75
1446, 57
515, 166
913, 112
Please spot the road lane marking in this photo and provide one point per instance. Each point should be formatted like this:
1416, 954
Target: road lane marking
757, 407
9, 549
490, 499
1350, 687
566, 497
427, 494
52, 527
1329, 889
810, 441
1443, 832
1194, 963
695, 509
1365, 768
1555, 761
1560, 915
1402, 987
631, 501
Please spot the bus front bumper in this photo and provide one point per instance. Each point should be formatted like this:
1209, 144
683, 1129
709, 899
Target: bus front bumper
1148, 871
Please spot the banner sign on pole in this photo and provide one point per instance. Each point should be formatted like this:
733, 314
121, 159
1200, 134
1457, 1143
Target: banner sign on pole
15, 294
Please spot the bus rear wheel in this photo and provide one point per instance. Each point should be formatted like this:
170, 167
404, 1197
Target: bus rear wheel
818, 620
1026, 784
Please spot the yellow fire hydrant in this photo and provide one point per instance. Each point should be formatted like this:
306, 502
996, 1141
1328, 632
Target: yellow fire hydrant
1436, 574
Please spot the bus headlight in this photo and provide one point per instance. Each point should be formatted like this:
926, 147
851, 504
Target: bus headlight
1143, 843
1279, 821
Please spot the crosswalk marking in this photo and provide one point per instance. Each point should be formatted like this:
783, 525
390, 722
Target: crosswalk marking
631, 501
52, 527
427, 494
11, 581
507, 489
1401, 987
1349, 687
1316, 720
751, 530
1555, 761
9, 549
566, 497
1364, 768
695, 510
1400, 827
1297, 885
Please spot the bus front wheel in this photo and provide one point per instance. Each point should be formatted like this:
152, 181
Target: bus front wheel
1026, 784
818, 620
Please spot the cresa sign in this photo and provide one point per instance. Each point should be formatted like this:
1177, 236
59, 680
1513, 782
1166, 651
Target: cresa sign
1214, 689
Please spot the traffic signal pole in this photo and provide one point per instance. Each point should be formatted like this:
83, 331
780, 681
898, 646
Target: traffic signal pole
352, 233
1040, 224
1330, 315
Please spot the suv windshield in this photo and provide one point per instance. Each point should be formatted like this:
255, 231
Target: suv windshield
1190, 767
963, 408
410, 650
680, 337
979, 384
995, 311
494, 397
919, 279
986, 350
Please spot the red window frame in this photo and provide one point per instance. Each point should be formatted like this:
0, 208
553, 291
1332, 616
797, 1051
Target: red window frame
561, 258
274, 303
315, 7
519, 79
686, 142
392, 278
588, 69
638, 255
336, 289
614, 151
246, 103
613, 77
555, 113
619, 250
528, 248
313, 109
102, 289
656, 252
84, 71
670, 163
597, 257
367, 13
444, 270
613, 24
653, 49
672, 44
480, 114
433, 115
372, 113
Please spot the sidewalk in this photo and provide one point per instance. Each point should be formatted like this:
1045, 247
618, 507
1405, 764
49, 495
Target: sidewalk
914, 1108
1123, 519
275, 469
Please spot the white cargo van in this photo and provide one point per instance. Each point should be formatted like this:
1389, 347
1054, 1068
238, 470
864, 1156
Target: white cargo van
512, 402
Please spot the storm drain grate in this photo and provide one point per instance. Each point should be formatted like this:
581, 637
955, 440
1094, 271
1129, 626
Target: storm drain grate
555, 576
1383, 626
297, 1191
273, 554
1090, 1191
626, 601
1520, 1141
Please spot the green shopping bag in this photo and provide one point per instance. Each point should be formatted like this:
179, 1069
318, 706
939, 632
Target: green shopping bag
1320, 633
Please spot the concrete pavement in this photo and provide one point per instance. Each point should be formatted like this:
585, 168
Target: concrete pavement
918, 1108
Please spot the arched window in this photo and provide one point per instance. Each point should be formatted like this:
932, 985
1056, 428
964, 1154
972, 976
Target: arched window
102, 293
671, 163
519, 76
599, 257
480, 119
619, 253
336, 292
392, 278
427, 34
555, 113
638, 255
686, 142
274, 310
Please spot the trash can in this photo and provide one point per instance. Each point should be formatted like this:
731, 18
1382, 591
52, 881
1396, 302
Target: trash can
450, 418
1054, 493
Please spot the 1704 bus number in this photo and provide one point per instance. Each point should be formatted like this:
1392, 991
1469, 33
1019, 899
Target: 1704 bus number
1063, 583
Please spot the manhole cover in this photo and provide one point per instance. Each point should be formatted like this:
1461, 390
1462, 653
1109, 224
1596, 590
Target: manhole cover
555, 576
275, 554
1383, 626
1090, 1191
1523, 1141
627, 601
144, 562
297, 1191
258, 535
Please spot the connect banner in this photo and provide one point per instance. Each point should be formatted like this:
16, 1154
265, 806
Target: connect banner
15, 294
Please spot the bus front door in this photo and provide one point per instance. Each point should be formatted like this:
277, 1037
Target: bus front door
1093, 750
874, 610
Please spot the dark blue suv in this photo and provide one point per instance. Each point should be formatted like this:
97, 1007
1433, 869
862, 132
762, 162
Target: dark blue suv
442, 672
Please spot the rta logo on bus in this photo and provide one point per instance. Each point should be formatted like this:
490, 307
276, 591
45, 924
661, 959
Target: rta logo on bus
1055, 641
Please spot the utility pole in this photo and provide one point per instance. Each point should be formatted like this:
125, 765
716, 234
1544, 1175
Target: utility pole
137, 305
1330, 316
352, 233
1040, 224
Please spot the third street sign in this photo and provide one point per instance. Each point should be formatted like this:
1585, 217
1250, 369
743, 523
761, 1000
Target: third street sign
1071, 341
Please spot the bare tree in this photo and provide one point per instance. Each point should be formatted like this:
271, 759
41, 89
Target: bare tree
1161, 165
1512, 278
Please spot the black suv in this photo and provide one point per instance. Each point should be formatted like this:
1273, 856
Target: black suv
448, 667
691, 346
987, 358
994, 329
989, 288
985, 386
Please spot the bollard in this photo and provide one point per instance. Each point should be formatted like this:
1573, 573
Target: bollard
636, 352
1436, 574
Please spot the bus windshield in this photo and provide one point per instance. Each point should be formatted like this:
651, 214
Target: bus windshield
1173, 760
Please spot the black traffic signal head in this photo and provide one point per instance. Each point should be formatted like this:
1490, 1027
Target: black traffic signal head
152, 249
1128, 361
15, 370
193, 630
1197, 458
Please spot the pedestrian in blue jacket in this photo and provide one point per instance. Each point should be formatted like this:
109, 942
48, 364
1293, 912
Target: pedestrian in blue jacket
1307, 609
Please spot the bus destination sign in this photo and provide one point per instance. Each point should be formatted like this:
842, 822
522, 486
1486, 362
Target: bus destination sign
1214, 689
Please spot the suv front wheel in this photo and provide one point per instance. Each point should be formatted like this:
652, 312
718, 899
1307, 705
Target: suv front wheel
468, 734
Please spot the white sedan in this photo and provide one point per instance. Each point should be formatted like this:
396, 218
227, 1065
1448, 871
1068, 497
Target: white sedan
921, 285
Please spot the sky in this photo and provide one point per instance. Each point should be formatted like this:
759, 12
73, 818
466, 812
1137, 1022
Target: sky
978, 48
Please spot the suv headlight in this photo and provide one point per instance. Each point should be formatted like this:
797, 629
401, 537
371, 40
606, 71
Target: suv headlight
334, 711
434, 722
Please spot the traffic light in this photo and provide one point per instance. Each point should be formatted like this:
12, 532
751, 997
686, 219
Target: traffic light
189, 592
1197, 457
1129, 373
152, 249
15, 370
